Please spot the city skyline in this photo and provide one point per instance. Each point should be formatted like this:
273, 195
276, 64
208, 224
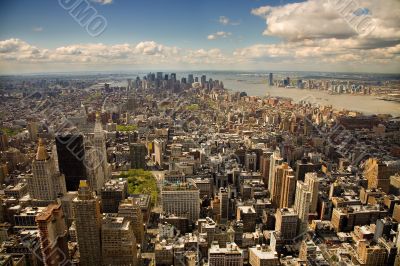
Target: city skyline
212, 35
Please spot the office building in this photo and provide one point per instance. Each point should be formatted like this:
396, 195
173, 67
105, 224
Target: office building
129, 209
182, 200
46, 183
231, 255
118, 241
71, 154
302, 204
223, 196
271, 79
286, 223
378, 173
112, 193
138, 152
288, 187
88, 225
248, 216
53, 236
312, 181
263, 256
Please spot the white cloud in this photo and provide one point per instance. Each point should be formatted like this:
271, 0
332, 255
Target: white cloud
312, 54
219, 34
315, 19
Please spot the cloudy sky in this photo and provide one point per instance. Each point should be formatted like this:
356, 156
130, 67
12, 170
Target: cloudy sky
114, 35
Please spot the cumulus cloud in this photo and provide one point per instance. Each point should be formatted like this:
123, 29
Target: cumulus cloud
219, 34
315, 19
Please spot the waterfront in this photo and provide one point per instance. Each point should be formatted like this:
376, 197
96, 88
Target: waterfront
256, 85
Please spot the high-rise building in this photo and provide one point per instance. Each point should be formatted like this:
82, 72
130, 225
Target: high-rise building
302, 204
311, 179
288, 188
264, 167
131, 211
286, 223
3, 141
46, 183
275, 160
223, 196
33, 130
373, 255
71, 155
94, 169
277, 184
203, 80
118, 242
158, 151
190, 79
88, 225
248, 216
182, 200
112, 193
378, 173
53, 236
271, 79
138, 152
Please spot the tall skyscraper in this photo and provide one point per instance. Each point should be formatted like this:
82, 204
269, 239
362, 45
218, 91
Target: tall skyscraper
88, 225
190, 79
112, 193
118, 242
288, 188
311, 179
275, 160
302, 204
71, 155
182, 200
46, 183
53, 236
271, 79
224, 204
286, 223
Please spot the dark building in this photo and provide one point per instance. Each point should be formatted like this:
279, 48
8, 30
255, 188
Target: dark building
305, 166
138, 152
71, 153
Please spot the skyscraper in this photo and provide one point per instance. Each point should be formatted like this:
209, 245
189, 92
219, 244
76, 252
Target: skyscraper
131, 210
88, 225
302, 204
224, 204
46, 183
275, 160
190, 79
118, 242
312, 181
71, 155
138, 152
271, 79
53, 236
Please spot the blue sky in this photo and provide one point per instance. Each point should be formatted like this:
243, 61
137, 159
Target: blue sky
172, 22
245, 34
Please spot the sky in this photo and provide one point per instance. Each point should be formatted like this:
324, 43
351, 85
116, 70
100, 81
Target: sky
246, 35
